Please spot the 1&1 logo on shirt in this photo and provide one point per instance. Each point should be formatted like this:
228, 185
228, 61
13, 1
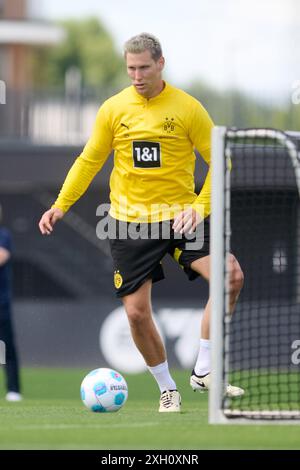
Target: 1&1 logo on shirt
146, 154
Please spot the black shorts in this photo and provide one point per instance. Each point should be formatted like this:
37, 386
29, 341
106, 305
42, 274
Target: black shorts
137, 257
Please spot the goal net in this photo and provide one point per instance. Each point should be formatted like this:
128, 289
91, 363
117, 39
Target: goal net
256, 216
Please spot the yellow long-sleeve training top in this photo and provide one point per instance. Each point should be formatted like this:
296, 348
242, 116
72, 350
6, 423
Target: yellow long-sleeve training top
154, 160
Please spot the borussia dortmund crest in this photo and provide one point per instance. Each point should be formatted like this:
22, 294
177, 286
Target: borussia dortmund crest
169, 125
118, 279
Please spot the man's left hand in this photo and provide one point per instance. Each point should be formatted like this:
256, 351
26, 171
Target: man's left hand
186, 221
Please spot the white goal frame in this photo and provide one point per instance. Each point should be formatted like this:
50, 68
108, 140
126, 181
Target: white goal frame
220, 201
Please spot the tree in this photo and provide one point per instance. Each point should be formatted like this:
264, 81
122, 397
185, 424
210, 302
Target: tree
235, 108
89, 47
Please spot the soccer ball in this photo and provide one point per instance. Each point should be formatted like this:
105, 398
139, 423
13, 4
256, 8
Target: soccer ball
104, 390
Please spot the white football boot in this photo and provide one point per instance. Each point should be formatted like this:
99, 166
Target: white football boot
202, 384
170, 401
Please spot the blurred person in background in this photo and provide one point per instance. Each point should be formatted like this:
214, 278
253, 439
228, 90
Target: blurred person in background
153, 129
11, 367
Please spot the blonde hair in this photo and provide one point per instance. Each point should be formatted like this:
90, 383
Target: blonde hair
143, 42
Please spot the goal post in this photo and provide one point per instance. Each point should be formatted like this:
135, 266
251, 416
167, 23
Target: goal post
256, 216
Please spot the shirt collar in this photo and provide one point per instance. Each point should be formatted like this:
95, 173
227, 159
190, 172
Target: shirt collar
151, 100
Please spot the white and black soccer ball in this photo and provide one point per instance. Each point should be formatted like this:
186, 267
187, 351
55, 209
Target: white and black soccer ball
104, 390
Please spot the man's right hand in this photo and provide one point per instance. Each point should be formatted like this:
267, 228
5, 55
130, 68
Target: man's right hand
49, 218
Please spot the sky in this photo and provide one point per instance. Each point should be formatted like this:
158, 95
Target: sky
252, 45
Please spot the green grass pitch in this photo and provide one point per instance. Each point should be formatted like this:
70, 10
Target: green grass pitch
52, 416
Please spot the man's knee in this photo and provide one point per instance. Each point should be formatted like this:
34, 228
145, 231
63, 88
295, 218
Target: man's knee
137, 312
236, 275
238, 281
